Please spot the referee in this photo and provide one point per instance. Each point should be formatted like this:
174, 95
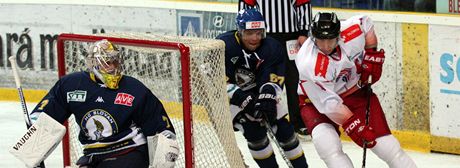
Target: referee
288, 22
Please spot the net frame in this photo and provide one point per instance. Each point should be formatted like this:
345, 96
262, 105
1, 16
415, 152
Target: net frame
186, 85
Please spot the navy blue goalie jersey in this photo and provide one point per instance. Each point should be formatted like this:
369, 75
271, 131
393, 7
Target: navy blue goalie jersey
250, 70
109, 120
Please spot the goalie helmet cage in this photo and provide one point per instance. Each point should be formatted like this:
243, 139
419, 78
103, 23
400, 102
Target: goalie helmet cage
192, 67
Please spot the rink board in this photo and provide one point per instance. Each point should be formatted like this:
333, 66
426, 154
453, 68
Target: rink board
417, 90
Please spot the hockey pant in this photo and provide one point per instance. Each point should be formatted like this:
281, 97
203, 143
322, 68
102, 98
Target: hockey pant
325, 134
357, 103
136, 157
262, 151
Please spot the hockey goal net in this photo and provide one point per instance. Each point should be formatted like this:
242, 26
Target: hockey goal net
186, 74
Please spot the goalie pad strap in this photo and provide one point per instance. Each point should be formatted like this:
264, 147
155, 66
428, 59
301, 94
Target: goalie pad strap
39, 141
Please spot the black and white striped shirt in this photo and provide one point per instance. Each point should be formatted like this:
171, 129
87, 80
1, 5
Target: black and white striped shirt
283, 16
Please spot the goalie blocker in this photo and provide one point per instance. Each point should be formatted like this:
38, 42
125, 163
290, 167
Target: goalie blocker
163, 150
39, 141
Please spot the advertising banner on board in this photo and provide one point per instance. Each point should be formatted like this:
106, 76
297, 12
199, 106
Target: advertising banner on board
204, 24
30, 32
444, 80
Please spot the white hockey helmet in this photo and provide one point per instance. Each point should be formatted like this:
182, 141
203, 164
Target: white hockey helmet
104, 61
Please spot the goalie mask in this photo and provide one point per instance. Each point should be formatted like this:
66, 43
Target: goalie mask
104, 61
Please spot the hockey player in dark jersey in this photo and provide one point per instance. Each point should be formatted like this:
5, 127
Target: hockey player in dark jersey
254, 67
116, 113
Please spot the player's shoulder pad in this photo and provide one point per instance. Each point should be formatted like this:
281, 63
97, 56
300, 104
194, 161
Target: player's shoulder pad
271, 49
270, 41
227, 35
304, 60
70, 80
132, 82
74, 75
362, 20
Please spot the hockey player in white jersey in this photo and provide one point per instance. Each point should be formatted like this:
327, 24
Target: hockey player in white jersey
334, 65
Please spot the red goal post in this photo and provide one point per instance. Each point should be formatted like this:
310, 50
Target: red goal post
149, 47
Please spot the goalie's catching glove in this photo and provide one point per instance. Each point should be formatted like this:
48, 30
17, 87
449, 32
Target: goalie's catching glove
265, 107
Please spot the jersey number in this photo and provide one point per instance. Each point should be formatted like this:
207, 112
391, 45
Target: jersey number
165, 119
43, 104
277, 79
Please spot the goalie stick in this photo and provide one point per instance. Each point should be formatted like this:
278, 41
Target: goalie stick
21, 97
271, 135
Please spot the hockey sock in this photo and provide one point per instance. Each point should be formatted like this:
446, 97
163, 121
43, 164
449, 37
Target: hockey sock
290, 144
262, 152
269, 162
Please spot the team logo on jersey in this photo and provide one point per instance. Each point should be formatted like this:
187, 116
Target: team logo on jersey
245, 79
102, 85
344, 75
98, 124
76, 96
99, 99
234, 59
124, 99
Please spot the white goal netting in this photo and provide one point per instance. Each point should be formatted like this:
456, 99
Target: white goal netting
159, 68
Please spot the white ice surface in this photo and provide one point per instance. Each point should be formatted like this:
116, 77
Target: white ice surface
12, 126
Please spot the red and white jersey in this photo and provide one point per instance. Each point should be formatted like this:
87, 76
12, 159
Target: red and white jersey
353, 32
323, 78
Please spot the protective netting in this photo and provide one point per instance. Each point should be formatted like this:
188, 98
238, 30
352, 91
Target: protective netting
160, 70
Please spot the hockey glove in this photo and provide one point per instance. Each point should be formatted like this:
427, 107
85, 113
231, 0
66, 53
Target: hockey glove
244, 100
372, 65
265, 107
357, 130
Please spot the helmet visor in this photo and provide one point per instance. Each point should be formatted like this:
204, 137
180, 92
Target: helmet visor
252, 38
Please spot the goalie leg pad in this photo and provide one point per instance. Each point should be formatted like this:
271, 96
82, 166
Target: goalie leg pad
39, 141
328, 146
163, 150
